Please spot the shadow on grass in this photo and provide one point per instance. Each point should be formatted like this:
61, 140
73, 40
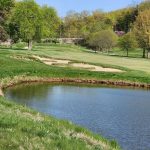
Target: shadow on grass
123, 56
10, 48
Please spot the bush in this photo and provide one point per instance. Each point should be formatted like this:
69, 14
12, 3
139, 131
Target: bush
103, 40
20, 45
50, 40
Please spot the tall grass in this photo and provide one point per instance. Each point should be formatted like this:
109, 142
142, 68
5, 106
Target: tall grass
22, 128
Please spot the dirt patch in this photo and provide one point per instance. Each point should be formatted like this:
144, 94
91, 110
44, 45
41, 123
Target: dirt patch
36, 117
89, 140
61, 63
21, 58
1, 92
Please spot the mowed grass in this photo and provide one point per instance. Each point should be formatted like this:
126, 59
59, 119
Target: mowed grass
135, 69
134, 53
85, 55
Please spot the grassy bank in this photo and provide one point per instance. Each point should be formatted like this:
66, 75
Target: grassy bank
22, 128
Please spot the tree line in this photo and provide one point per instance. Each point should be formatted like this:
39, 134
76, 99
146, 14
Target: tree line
127, 28
27, 21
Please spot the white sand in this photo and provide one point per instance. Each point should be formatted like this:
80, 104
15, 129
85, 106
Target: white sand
95, 68
50, 61
1, 93
59, 62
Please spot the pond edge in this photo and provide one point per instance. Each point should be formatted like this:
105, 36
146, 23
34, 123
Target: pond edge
21, 80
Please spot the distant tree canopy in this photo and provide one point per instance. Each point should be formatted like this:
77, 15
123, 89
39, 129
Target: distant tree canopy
144, 5
124, 18
25, 20
84, 23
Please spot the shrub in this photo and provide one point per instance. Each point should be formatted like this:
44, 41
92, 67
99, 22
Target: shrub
103, 40
20, 45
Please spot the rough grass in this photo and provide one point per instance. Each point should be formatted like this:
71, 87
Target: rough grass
22, 128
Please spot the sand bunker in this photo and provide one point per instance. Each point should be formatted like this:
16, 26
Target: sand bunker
95, 68
1, 93
59, 62
51, 61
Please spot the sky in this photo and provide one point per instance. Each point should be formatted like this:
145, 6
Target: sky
64, 6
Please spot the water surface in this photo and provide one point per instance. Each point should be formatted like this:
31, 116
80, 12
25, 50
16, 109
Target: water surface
115, 113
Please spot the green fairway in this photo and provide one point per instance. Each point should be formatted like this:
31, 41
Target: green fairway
135, 69
85, 55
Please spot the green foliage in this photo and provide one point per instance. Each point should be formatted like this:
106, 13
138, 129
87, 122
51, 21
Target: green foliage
125, 19
31, 22
20, 45
5, 7
50, 22
3, 34
84, 23
26, 15
128, 42
144, 5
103, 40
142, 30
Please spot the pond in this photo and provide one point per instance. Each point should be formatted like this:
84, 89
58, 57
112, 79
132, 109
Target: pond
115, 113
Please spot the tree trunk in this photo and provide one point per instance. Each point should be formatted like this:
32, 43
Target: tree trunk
29, 44
144, 51
148, 54
108, 51
127, 52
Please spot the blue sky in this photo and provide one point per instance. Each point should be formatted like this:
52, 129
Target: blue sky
63, 6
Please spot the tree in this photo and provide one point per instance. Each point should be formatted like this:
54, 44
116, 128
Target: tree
84, 23
5, 7
124, 18
26, 15
103, 40
144, 5
127, 42
72, 25
142, 30
3, 34
50, 22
